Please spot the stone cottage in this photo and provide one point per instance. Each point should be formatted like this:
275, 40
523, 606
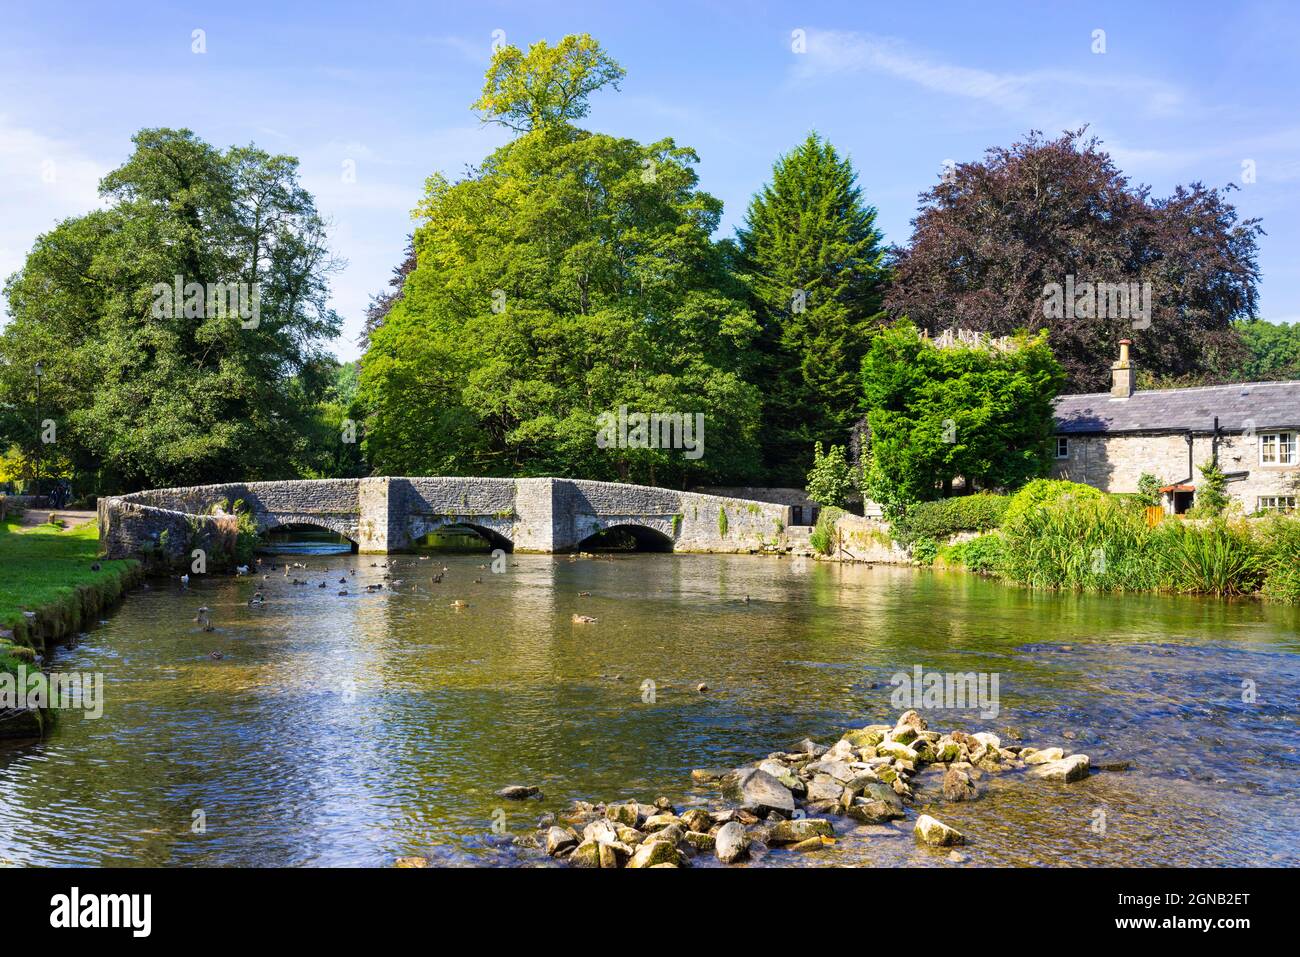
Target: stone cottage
1252, 430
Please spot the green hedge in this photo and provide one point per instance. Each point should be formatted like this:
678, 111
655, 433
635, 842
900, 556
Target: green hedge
941, 519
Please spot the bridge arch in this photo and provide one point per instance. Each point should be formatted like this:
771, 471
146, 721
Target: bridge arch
496, 532
635, 535
268, 524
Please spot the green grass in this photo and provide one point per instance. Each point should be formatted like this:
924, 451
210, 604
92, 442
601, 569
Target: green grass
1105, 545
47, 570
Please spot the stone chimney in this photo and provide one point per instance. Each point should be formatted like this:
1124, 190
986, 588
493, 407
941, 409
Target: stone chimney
1122, 374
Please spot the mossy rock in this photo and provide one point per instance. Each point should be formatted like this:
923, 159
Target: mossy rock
864, 737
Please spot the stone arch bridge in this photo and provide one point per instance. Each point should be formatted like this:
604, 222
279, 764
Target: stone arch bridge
380, 515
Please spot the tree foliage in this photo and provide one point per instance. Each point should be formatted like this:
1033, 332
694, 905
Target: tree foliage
811, 253
570, 275
546, 85
831, 480
938, 413
1272, 351
143, 398
992, 237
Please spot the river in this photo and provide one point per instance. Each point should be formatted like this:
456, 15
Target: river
352, 729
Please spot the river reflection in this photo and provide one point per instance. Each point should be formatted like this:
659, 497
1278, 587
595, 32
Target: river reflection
351, 729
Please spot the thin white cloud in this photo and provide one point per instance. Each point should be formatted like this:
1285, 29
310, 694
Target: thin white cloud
834, 52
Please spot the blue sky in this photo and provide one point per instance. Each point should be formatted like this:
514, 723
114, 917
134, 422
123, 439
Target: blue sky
1183, 92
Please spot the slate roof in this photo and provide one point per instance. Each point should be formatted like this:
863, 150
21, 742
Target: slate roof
1264, 405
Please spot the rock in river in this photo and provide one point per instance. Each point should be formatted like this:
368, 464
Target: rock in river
654, 852
587, 854
731, 843
798, 831
753, 788
930, 831
1073, 768
519, 792
1043, 756
558, 838
957, 786
626, 814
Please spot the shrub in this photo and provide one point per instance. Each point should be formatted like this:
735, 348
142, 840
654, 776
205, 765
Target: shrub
983, 555
1088, 543
1211, 497
1211, 559
822, 537
722, 521
1041, 492
925, 550
946, 517
1281, 558
1149, 490
831, 480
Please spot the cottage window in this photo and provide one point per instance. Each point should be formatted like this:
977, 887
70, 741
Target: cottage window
1276, 503
1062, 447
1277, 448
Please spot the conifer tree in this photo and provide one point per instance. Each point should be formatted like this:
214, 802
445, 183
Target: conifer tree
813, 258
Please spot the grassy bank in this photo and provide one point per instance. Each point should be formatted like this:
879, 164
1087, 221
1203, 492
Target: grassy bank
1103, 543
48, 571
1062, 535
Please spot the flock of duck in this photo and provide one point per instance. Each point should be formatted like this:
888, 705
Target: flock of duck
204, 615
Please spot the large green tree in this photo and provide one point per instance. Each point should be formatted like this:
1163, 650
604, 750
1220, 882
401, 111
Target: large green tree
148, 388
935, 412
812, 256
570, 275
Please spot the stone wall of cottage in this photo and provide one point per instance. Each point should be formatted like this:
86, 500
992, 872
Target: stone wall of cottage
1114, 463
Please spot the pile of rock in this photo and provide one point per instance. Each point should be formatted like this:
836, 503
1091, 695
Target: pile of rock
788, 799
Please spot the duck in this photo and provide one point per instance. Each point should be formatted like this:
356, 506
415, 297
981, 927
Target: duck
215, 655
583, 620
322, 584
459, 604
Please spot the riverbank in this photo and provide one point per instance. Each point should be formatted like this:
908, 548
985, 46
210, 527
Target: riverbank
51, 585
1055, 535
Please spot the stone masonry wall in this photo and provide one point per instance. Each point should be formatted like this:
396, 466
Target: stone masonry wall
1114, 463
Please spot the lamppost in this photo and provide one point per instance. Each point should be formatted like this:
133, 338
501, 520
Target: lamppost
40, 372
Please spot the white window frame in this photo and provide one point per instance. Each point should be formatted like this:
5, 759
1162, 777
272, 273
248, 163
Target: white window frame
1275, 503
1281, 446
1062, 446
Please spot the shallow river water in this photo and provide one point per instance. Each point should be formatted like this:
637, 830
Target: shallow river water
349, 730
